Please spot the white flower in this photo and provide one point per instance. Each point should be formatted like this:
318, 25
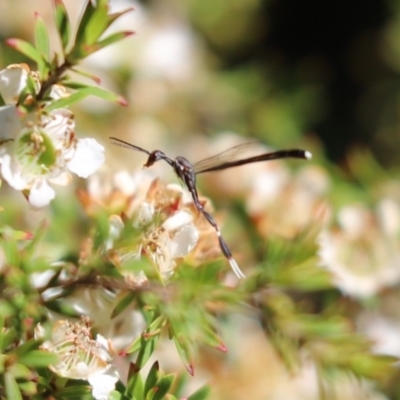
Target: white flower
176, 237
99, 304
44, 153
363, 253
81, 357
38, 148
163, 244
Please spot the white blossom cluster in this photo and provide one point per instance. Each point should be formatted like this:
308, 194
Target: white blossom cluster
39, 149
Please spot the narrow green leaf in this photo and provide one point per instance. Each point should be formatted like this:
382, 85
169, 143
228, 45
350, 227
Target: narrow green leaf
26, 49
74, 85
115, 37
147, 347
96, 25
320, 327
29, 90
85, 92
62, 23
38, 358
37, 237
125, 299
42, 41
12, 389
85, 74
182, 345
82, 25
163, 385
200, 394
152, 377
135, 386
76, 392
211, 337
306, 276
152, 331
7, 336
15, 235
11, 252
372, 366
135, 346
114, 16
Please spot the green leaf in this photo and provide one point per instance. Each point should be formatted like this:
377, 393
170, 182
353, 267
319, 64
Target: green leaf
182, 345
29, 90
11, 251
83, 93
373, 366
211, 338
62, 23
146, 350
26, 49
7, 232
96, 25
42, 44
37, 237
162, 387
82, 25
114, 16
151, 332
135, 386
115, 37
200, 394
125, 299
85, 74
25, 348
38, 358
152, 377
7, 336
319, 327
12, 389
74, 392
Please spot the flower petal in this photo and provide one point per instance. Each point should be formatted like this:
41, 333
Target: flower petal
12, 173
62, 179
41, 194
146, 215
103, 383
177, 221
59, 125
88, 157
12, 80
183, 241
10, 125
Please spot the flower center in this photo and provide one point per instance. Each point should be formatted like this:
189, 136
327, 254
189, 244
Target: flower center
35, 152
